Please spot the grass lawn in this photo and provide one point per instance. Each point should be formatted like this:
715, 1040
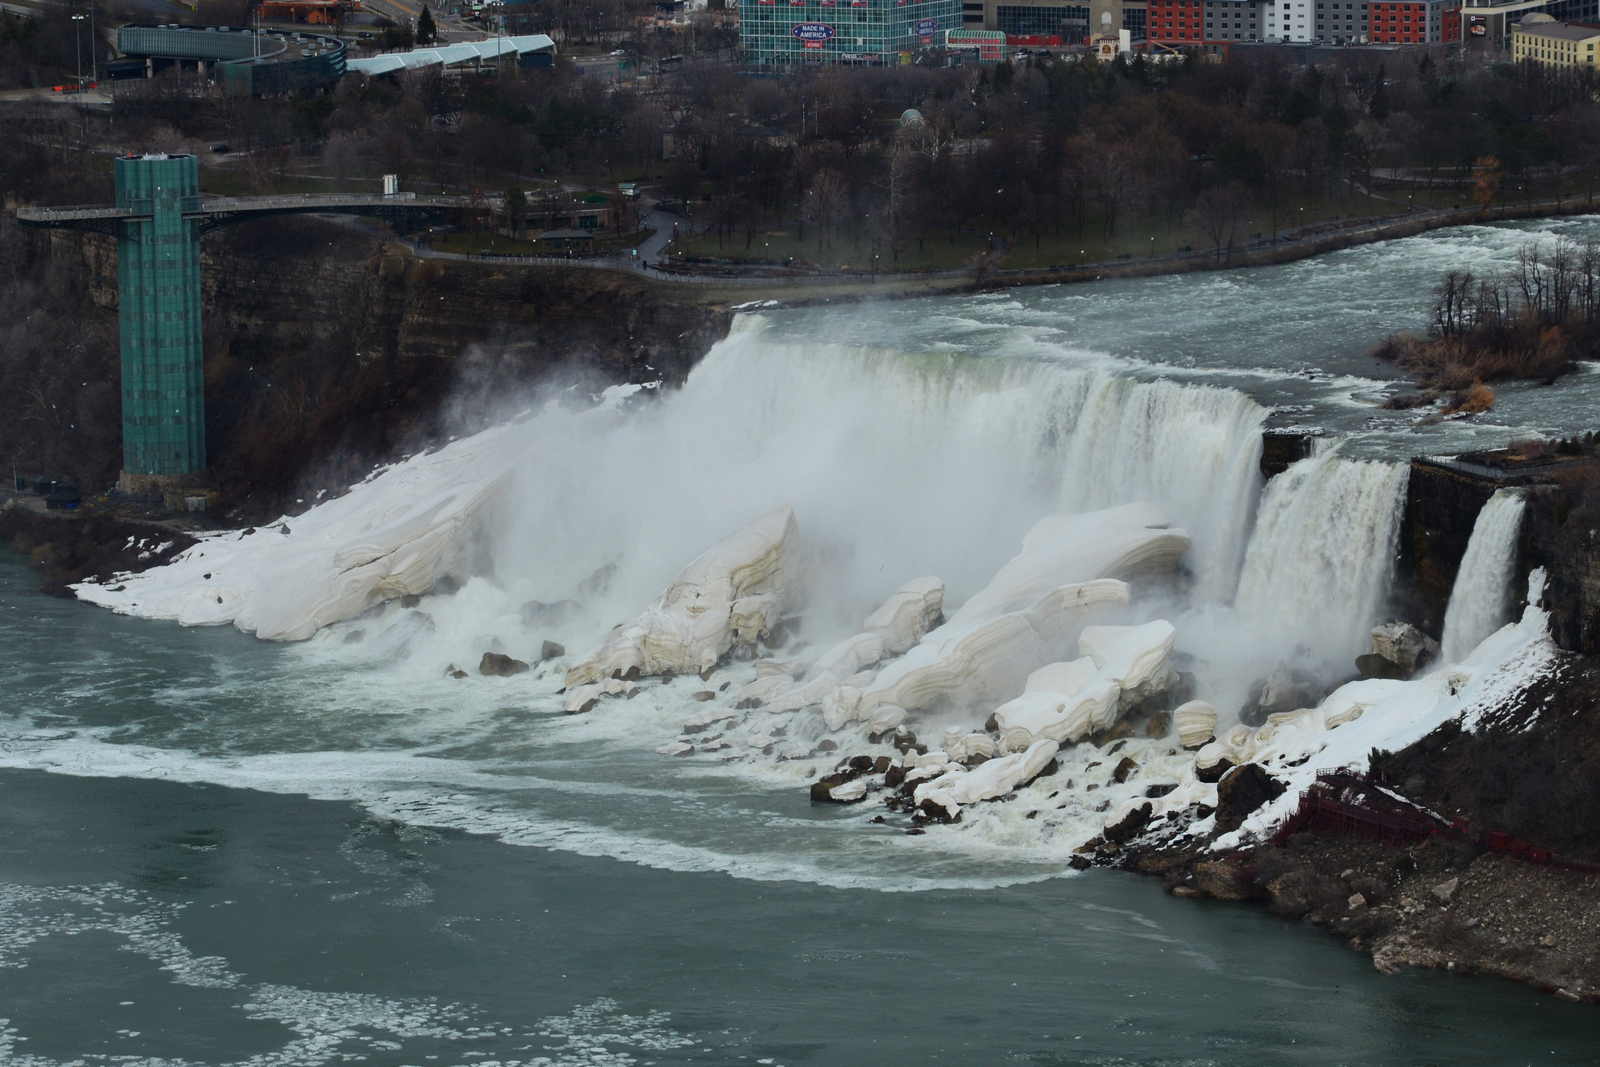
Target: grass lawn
937, 253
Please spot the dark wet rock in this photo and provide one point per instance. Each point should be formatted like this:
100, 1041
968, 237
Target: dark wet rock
453, 671
705, 695
551, 650
828, 745
495, 665
598, 582
538, 613
1241, 791
410, 600
1080, 863
1214, 772
881, 765
1129, 825
1372, 665
747, 703
1159, 726
447, 585
705, 675
894, 776
355, 637
1156, 791
861, 763
1221, 880
1125, 768
1119, 732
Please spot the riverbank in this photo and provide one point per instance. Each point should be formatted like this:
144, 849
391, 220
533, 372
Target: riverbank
1442, 902
732, 289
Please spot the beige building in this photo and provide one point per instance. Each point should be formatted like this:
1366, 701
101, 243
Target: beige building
1543, 40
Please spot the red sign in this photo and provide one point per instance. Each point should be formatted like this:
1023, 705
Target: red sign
1032, 40
813, 44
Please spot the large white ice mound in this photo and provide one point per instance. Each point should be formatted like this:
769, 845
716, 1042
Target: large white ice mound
908, 614
1026, 615
984, 662
730, 595
395, 534
999, 776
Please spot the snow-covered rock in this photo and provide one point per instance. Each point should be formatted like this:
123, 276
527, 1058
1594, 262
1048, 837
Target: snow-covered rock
988, 661
850, 656
908, 614
765, 689
885, 719
1134, 657
1059, 717
1196, 723
1066, 677
839, 706
1031, 608
804, 696
730, 595
1000, 776
849, 792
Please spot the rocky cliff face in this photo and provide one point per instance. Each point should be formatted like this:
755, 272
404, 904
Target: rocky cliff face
1562, 536
328, 350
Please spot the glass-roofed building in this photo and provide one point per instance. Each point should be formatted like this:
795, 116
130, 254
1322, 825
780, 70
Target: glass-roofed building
878, 32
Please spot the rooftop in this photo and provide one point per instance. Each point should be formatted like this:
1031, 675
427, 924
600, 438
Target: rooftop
1562, 31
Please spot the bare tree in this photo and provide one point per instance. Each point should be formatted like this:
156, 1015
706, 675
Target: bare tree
1218, 213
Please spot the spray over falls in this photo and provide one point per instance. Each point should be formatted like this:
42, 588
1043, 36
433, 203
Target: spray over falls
963, 562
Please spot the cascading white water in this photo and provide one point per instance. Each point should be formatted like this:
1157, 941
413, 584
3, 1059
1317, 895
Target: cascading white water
1480, 600
1322, 553
897, 464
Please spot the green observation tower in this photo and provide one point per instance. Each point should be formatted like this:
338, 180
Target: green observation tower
158, 285
158, 220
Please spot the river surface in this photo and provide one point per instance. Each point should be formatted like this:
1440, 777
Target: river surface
216, 850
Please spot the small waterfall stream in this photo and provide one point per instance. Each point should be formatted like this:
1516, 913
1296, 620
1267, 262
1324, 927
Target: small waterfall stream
1480, 600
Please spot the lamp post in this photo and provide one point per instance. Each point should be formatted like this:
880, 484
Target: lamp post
94, 56
77, 33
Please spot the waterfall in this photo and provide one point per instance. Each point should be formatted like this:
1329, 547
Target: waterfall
1320, 559
897, 464
1480, 599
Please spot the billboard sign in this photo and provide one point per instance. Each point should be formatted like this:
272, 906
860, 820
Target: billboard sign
813, 32
926, 28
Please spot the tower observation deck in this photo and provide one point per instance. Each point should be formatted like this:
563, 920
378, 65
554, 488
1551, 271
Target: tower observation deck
158, 220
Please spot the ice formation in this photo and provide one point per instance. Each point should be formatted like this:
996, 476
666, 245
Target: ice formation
908, 614
1069, 566
734, 593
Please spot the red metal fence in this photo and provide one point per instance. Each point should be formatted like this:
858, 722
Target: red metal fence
1343, 802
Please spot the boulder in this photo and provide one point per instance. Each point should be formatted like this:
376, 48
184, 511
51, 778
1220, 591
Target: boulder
729, 596
551, 650
1372, 665
1404, 645
1241, 791
1446, 891
1221, 880
1158, 726
1196, 722
582, 699
909, 613
494, 665
764, 690
1126, 828
1125, 767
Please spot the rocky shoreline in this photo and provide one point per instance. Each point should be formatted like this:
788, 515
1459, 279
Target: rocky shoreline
1428, 905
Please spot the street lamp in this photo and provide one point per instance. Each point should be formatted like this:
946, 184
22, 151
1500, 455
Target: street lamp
77, 33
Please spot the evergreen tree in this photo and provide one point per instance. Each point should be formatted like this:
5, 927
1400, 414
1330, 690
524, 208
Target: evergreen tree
427, 33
